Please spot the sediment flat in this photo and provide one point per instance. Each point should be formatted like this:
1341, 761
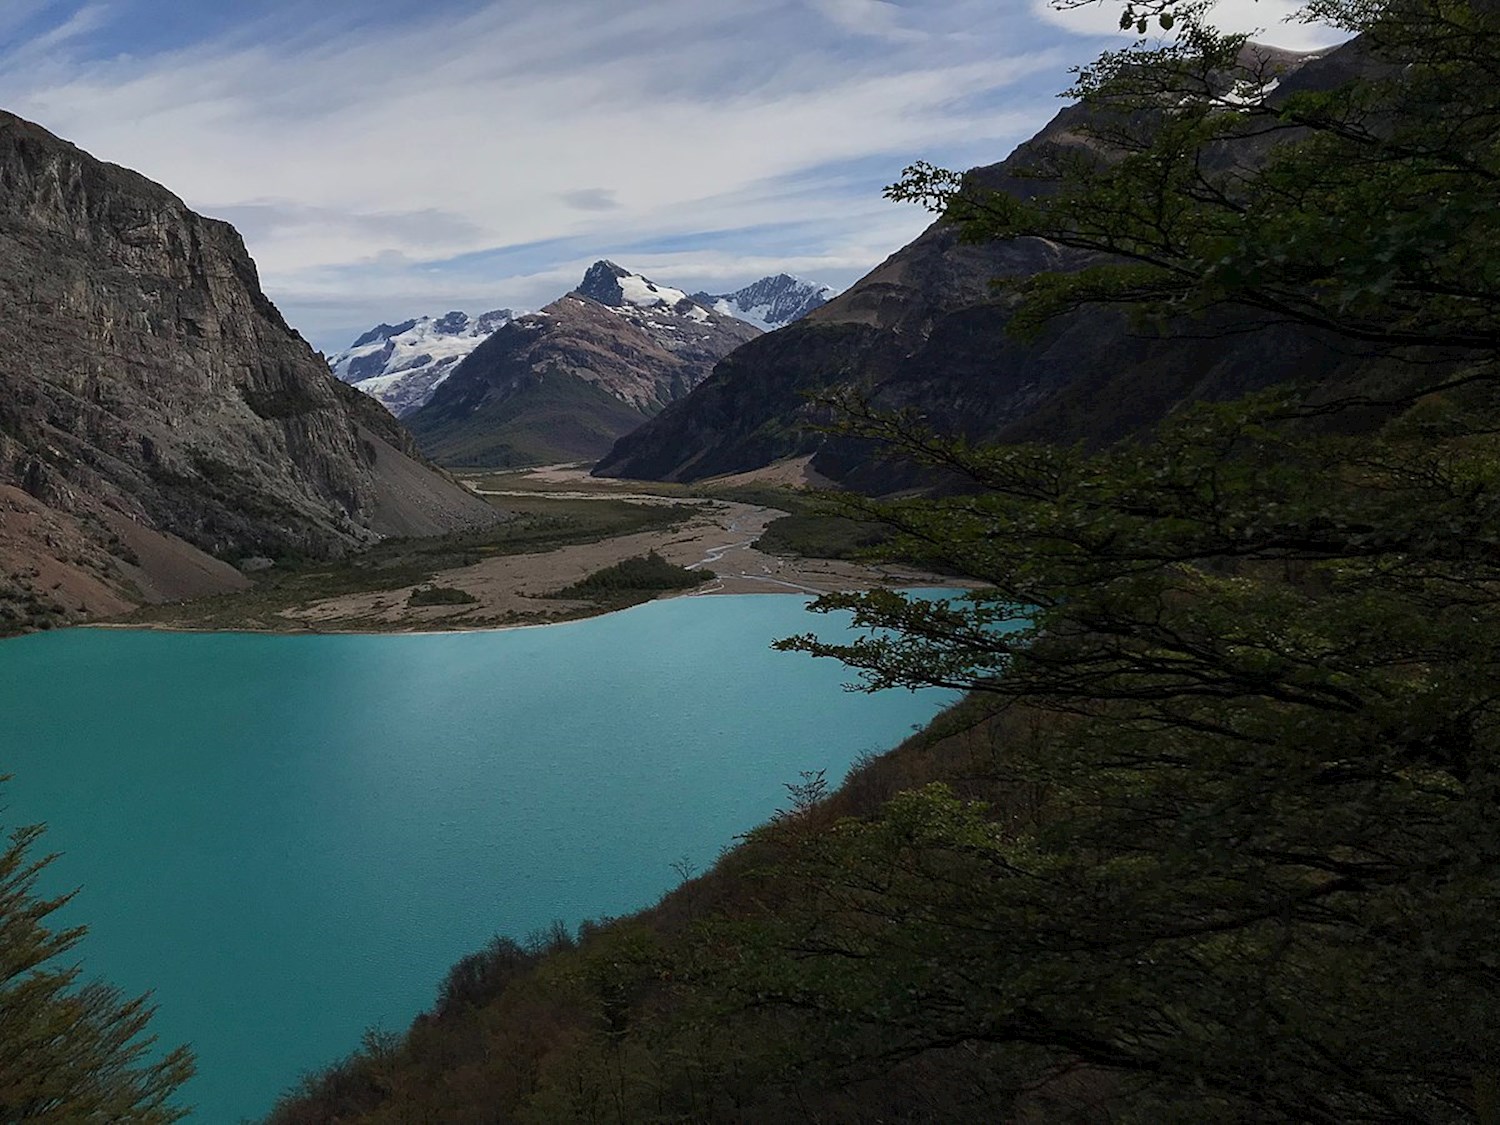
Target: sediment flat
512, 590
719, 537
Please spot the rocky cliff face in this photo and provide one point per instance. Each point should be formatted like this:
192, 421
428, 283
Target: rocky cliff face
563, 383
926, 330
158, 419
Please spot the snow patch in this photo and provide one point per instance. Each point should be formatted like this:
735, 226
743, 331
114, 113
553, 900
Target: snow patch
645, 294
402, 365
771, 302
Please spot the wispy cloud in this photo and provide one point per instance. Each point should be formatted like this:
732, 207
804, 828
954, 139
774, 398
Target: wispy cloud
39, 46
16, 15
374, 162
878, 18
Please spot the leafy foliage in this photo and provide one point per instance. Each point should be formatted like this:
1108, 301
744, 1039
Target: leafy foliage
1368, 209
69, 1051
1258, 882
1262, 878
644, 573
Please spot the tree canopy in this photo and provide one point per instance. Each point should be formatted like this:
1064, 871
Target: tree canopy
1259, 874
69, 1051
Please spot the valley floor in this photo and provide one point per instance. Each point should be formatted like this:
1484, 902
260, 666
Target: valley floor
506, 585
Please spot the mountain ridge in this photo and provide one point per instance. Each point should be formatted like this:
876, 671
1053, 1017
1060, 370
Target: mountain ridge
402, 364
616, 349
926, 330
158, 416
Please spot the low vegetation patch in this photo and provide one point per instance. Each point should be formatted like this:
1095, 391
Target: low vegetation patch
440, 595
536, 524
813, 535
23, 609
644, 574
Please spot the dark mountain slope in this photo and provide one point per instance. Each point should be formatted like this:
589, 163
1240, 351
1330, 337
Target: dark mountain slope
564, 383
157, 415
927, 329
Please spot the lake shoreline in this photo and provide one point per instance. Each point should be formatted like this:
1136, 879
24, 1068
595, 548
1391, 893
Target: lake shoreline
519, 590
889, 580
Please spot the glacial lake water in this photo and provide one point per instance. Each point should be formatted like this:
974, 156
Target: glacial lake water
290, 839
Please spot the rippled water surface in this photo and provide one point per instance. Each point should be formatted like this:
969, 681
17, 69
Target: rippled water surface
290, 839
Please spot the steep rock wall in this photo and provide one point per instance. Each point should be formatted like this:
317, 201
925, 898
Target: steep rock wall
145, 378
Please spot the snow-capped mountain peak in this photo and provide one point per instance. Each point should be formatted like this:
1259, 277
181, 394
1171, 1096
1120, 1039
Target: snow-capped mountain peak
771, 302
564, 383
615, 286
663, 311
402, 364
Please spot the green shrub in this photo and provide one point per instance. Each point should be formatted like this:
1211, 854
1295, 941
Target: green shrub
820, 536
440, 595
648, 573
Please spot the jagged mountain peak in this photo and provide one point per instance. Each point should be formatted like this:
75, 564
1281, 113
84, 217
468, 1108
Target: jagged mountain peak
614, 285
601, 282
402, 364
770, 303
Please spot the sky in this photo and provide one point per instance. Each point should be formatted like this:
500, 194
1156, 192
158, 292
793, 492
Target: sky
392, 158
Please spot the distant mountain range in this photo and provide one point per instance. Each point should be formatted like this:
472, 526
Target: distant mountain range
563, 383
403, 364
771, 302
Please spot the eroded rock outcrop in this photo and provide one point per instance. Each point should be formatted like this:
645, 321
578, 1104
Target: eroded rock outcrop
157, 412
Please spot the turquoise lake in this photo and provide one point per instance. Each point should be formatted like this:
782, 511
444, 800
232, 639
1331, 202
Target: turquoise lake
291, 839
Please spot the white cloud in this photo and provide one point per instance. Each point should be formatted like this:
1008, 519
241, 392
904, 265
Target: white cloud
1269, 21
358, 162
878, 18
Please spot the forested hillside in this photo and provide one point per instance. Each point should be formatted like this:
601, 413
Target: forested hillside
1216, 836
